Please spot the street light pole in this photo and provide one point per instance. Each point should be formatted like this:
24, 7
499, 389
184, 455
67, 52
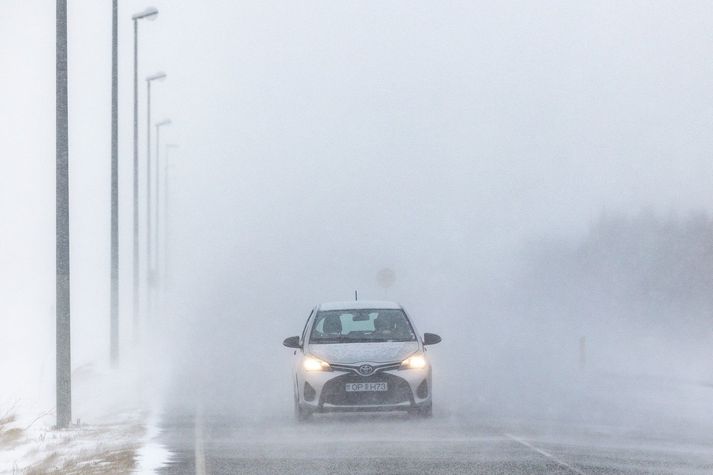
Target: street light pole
114, 273
63, 344
167, 218
149, 14
160, 76
158, 194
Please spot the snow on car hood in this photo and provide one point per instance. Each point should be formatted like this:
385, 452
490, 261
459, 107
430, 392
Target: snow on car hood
378, 352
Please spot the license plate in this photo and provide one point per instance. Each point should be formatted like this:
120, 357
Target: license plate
360, 387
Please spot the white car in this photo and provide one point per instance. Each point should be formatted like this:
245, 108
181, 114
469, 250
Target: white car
361, 356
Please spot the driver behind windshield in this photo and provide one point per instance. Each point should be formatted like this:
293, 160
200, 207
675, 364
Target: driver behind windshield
355, 326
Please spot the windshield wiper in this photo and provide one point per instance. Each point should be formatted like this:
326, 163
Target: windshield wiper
345, 339
339, 339
351, 340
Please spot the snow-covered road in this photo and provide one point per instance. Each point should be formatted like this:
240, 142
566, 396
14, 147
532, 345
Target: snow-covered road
397, 444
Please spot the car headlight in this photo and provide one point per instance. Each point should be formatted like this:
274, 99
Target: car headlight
310, 363
417, 361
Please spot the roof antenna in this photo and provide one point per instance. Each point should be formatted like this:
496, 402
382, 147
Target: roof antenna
356, 295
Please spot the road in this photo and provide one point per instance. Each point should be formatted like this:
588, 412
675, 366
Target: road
221, 444
223, 417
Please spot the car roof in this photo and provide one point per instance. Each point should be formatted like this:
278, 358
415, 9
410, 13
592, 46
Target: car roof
359, 305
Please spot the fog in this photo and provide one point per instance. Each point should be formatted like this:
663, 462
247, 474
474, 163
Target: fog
537, 175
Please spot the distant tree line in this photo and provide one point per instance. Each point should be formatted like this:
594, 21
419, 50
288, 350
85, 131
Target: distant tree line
641, 267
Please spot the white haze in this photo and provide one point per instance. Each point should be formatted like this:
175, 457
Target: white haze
322, 141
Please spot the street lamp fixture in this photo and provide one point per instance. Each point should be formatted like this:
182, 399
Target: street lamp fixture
151, 13
159, 76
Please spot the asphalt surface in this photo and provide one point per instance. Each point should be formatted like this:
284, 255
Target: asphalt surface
391, 443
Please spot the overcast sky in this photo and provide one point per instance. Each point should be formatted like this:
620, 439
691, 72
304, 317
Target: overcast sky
329, 139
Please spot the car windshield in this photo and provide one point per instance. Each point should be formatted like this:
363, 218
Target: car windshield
370, 325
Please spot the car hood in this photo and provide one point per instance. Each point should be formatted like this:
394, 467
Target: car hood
377, 352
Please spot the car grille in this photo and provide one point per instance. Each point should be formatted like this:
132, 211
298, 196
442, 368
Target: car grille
335, 393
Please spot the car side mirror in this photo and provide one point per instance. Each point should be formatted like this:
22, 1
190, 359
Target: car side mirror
431, 339
292, 342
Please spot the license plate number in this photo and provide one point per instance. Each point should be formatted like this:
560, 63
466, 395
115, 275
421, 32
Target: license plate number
360, 387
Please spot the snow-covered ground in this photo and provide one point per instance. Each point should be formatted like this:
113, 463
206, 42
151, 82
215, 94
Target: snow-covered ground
87, 448
114, 428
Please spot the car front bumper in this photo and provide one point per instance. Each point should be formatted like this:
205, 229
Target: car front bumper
326, 391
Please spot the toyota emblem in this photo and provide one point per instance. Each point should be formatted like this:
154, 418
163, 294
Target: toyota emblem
366, 369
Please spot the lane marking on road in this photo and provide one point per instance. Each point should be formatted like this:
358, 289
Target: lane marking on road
545, 454
199, 455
